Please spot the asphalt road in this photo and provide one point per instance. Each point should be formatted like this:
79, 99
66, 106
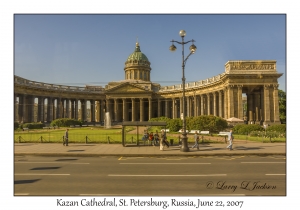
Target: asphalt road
150, 176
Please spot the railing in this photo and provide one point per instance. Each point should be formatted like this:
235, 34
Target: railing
200, 83
40, 85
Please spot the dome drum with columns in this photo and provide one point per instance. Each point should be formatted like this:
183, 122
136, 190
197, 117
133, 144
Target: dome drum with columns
247, 89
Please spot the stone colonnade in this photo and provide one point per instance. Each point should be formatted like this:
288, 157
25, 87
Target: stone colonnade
261, 107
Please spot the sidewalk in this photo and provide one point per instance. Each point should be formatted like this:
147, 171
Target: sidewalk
85, 150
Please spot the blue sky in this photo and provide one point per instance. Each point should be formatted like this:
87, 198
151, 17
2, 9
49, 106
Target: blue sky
91, 49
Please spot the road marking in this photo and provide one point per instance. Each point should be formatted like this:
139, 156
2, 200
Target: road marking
42, 174
169, 175
263, 162
56, 163
275, 174
160, 163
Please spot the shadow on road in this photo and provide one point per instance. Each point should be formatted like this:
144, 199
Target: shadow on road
45, 168
29, 181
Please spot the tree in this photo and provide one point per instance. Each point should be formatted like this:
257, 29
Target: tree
282, 106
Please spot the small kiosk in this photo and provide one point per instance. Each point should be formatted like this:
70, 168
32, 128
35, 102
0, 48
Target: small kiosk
135, 141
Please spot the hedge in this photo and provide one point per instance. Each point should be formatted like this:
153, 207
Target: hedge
65, 122
38, 125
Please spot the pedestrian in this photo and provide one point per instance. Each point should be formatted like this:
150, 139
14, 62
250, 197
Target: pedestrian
196, 138
164, 138
151, 137
156, 138
230, 139
66, 140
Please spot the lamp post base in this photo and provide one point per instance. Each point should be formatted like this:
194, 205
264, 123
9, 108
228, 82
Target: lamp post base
184, 143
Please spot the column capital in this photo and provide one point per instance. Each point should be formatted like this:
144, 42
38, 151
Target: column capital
240, 86
267, 86
275, 86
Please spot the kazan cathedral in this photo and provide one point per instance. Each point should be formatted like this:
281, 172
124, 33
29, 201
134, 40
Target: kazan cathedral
136, 98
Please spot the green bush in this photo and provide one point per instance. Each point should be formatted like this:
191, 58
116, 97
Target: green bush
246, 129
278, 128
174, 125
16, 125
206, 123
33, 125
65, 122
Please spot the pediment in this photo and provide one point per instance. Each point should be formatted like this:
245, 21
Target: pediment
126, 88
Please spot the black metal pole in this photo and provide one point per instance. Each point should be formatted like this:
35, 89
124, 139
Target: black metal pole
184, 145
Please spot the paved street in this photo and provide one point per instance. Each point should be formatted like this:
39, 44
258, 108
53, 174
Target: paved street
150, 175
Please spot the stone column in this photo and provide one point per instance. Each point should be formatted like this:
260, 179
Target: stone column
174, 108
250, 108
92, 102
116, 110
240, 102
167, 108
57, 108
267, 104
39, 109
215, 103
158, 107
195, 106
181, 107
257, 108
230, 101
201, 105
276, 104
72, 115
150, 108
67, 112
102, 111
142, 110
20, 111
31, 109
82, 108
220, 104
133, 110
208, 104
125, 110
76, 109
49, 109
98, 111
188, 108
225, 103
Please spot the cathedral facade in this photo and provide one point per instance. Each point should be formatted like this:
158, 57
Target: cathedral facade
136, 98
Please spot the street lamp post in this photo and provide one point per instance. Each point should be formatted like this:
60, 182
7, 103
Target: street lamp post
193, 48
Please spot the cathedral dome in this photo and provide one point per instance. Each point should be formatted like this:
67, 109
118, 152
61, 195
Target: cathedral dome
137, 55
137, 66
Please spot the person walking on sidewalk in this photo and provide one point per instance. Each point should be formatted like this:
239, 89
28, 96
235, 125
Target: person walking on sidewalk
163, 140
156, 138
196, 138
66, 140
230, 139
